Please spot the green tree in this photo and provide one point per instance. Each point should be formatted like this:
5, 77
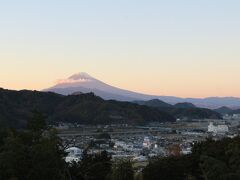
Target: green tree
123, 170
173, 168
105, 136
212, 168
233, 152
92, 167
35, 153
210, 160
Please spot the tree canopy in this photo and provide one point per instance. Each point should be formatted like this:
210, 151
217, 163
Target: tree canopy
210, 160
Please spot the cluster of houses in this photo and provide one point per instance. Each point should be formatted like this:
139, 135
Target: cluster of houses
165, 140
218, 128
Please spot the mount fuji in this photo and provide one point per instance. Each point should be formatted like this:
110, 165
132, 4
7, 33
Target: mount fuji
84, 83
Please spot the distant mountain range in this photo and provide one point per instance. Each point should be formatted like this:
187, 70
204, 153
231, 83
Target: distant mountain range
82, 82
226, 110
186, 111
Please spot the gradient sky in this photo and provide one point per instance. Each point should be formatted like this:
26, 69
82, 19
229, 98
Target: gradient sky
184, 48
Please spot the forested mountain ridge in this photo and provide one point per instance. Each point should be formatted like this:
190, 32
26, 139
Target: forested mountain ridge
17, 106
182, 110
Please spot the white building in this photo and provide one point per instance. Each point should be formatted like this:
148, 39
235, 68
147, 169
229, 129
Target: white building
236, 116
147, 142
218, 129
140, 159
74, 154
187, 151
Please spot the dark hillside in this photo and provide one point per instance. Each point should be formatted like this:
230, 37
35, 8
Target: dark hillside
17, 106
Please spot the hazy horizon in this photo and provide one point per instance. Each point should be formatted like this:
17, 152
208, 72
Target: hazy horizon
63, 81
172, 48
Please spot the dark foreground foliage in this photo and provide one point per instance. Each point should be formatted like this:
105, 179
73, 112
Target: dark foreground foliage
92, 167
37, 154
34, 154
210, 160
123, 170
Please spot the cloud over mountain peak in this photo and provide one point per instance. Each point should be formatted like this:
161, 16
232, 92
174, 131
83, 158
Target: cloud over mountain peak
76, 78
81, 75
